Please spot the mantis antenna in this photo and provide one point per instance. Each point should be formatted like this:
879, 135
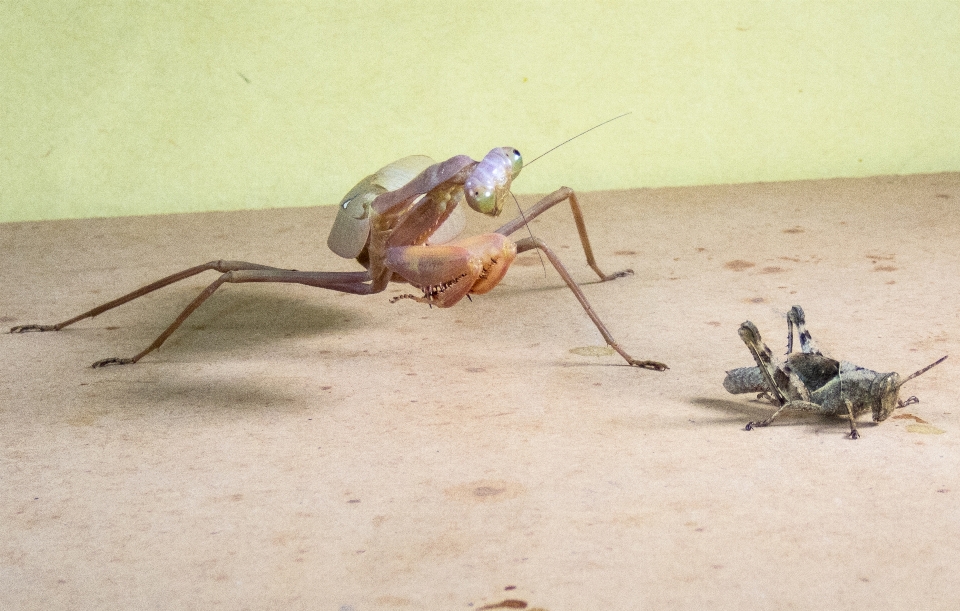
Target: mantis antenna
577, 136
529, 231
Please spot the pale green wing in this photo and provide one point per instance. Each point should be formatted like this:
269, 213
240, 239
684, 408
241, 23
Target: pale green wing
352, 225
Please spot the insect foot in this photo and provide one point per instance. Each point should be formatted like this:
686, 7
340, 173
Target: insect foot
623, 273
32, 328
654, 365
112, 361
809, 381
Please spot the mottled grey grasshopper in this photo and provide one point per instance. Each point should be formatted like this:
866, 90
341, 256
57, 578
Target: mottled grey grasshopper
809, 381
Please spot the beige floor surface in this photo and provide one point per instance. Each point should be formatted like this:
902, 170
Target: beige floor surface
296, 448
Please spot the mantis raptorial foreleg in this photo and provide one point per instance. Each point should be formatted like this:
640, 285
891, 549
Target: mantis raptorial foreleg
525, 244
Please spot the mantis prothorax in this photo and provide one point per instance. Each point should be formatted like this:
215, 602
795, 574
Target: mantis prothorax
402, 224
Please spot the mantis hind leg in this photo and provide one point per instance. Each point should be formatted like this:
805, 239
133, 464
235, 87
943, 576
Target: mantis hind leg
232, 272
219, 265
560, 195
345, 282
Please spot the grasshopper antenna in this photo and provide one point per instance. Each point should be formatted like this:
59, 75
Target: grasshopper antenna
542, 264
913, 400
923, 371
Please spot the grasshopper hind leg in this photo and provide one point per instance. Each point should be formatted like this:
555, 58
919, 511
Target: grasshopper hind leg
763, 356
795, 317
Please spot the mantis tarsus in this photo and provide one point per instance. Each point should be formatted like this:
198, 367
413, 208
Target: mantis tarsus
401, 223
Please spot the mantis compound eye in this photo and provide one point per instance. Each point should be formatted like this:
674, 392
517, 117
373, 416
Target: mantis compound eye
480, 197
488, 185
517, 160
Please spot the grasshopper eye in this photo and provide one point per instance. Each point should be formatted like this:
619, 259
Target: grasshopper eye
886, 391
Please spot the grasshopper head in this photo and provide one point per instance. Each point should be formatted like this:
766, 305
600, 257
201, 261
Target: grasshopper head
488, 185
886, 393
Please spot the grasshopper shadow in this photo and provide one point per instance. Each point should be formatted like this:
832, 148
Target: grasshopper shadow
756, 409
752, 410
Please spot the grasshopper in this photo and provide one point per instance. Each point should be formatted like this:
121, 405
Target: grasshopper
402, 224
809, 381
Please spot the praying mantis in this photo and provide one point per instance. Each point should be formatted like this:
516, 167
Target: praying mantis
402, 223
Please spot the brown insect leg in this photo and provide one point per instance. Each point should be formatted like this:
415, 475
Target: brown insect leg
220, 266
346, 282
558, 196
760, 423
764, 358
854, 434
529, 244
233, 271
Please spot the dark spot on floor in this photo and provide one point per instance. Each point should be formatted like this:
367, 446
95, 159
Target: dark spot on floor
738, 265
910, 417
510, 603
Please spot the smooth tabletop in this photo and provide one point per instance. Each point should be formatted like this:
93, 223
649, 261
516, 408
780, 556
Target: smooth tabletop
292, 447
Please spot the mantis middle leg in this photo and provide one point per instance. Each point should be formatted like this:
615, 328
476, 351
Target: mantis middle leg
526, 244
551, 200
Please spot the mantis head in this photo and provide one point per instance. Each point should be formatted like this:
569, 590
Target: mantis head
488, 184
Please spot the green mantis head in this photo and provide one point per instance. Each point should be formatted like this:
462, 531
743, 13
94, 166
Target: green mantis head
488, 185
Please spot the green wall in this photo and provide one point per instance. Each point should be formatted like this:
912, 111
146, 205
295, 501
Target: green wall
113, 108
